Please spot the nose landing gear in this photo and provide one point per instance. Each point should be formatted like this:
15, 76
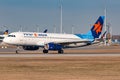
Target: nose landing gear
17, 49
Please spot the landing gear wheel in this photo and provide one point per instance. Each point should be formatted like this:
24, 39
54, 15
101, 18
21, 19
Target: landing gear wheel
17, 49
60, 51
45, 51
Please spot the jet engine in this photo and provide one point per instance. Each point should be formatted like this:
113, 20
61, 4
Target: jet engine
52, 46
30, 47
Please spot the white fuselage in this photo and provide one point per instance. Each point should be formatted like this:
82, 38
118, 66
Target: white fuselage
40, 39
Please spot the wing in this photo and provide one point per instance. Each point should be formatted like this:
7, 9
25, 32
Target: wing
72, 42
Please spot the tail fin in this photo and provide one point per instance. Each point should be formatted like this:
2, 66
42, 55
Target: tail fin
45, 31
103, 35
95, 31
97, 27
6, 32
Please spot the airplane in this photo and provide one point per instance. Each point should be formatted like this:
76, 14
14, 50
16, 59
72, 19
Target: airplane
5, 34
55, 41
103, 35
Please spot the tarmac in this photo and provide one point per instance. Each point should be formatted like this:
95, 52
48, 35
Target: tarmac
86, 52
86, 63
59, 55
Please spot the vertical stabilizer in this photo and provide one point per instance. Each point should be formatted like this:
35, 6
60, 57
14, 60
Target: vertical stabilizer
97, 27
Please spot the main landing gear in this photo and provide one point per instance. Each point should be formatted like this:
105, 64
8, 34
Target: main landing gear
59, 51
45, 51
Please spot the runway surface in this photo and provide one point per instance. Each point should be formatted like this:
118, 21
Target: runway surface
59, 55
85, 52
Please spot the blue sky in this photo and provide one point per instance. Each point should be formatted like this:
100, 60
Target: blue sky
81, 14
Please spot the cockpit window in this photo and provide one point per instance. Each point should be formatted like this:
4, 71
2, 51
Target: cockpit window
11, 35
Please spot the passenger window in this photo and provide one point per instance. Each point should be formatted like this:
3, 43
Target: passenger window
11, 35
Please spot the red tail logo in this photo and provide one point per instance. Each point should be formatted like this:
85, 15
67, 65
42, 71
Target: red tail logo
97, 27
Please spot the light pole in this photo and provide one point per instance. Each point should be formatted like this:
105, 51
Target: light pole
72, 29
60, 16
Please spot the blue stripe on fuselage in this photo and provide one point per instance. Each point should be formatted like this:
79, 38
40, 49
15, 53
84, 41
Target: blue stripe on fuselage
85, 36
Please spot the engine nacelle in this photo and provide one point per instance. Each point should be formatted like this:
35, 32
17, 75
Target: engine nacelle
30, 47
53, 46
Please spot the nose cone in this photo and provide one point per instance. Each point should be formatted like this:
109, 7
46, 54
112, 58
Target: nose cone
4, 40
